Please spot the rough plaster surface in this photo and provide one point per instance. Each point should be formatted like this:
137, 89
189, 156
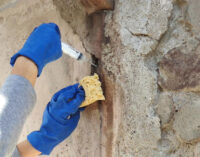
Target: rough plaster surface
138, 118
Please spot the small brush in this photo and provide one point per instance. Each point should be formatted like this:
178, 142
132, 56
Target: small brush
68, 50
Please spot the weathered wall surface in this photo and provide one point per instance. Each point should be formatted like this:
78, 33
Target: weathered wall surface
156, 120
148, 55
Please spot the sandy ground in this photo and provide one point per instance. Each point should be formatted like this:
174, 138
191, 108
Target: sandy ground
15, 25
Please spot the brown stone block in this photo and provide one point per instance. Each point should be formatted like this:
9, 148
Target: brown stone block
179, 71
92, 6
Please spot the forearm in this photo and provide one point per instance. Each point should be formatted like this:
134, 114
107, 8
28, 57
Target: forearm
25, 68
17, 98
26, 150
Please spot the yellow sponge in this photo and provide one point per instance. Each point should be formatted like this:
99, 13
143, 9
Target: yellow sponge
93, 90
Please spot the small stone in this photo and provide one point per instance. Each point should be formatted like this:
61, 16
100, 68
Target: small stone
187, 122
179, 71
165, 108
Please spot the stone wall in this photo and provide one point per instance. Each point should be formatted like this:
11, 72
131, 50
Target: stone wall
148, 61
149, 66
159, 113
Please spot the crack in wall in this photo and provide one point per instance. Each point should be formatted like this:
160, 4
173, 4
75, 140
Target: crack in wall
140, 34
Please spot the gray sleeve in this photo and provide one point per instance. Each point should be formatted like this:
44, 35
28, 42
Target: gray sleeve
16, 153
17, 98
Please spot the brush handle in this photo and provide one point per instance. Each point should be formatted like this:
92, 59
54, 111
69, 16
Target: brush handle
71, 52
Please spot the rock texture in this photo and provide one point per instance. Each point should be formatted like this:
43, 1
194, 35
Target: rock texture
180, 72
165, 108
92, 6
152, 104
187, 121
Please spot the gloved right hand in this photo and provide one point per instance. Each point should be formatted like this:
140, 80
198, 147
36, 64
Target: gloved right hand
42, 46
60, 118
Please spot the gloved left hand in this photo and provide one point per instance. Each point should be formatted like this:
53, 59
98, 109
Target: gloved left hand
42, 46
60, 118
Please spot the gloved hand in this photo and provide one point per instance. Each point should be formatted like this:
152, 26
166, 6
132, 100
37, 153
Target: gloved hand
60, 118
42, 46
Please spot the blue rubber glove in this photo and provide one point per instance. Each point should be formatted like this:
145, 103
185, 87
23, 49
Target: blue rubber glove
60, 118
42, 46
